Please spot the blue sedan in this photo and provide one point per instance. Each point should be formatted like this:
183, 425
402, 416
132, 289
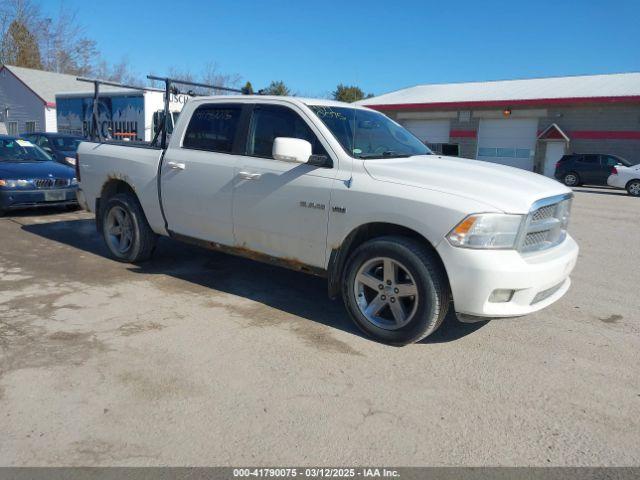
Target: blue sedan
29, 177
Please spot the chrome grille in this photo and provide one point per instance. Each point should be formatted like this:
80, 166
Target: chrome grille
51, 182
546, 224
543, 213
535, 238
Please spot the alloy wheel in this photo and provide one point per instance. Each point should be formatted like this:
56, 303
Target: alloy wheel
386, 293
119, 230
570, 179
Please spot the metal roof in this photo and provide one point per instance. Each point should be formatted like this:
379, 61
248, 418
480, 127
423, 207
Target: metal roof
46, 84
585, 87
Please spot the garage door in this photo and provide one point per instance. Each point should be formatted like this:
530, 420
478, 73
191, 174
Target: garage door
508, 141
429, 131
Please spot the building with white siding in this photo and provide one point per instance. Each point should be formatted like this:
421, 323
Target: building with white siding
28, 98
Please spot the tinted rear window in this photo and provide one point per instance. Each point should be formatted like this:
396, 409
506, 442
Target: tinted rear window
213, 128
592, 159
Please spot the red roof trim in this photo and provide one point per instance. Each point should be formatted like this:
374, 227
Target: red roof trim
463, 133
507, 103
605, 135
553, 132
4, 67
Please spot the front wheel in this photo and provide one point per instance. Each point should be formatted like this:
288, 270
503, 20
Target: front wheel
633, 188
571, 179
395, 290
126, 230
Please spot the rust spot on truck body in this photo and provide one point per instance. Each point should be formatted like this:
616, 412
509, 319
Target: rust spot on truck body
119, 177
243, 251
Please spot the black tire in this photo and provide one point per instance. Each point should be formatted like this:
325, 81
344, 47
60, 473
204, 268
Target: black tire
571, 179
633, 188
424, 265
143, 239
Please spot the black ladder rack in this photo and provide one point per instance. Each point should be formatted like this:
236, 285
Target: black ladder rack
169, 88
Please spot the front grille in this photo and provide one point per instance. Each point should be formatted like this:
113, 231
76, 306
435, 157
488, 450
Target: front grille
546, 224
535, 238
544, 294
51, 182
543, 213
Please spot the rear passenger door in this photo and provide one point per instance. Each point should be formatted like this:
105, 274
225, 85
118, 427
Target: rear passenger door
281, 208
197, 177
589, 168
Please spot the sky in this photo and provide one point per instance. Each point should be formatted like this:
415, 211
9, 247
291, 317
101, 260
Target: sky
378, 45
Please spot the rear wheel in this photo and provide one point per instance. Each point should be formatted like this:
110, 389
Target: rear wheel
126, 230
633, 188
395, 290
571, 179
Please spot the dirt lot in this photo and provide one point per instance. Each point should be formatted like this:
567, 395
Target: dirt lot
199, 358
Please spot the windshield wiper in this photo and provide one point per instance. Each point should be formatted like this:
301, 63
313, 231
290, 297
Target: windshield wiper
387, 154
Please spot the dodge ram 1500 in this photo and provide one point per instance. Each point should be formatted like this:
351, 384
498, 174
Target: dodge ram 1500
344, 192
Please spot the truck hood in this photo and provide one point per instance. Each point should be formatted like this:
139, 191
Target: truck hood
18, 170
508, 189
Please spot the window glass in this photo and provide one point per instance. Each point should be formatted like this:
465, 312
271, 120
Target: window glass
487, 152
447, 149
63, 143
213, 128
18, 150
271, 122
367, 134
506, 152
451, 149
609, 161
591, 159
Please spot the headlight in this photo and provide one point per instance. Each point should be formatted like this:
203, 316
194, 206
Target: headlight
74, 181
487, 230
20, 183
70, 160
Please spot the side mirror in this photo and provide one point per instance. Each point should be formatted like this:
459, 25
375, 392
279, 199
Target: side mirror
291, 150
47, 149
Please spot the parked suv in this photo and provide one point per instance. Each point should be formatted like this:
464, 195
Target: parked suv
60, 146
587, 168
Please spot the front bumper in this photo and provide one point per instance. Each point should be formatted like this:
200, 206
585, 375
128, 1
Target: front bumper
538, 278
14, 199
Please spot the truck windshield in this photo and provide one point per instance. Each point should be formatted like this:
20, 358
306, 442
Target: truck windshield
368, 134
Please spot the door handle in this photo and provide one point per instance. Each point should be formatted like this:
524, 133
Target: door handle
249, 175
176, 166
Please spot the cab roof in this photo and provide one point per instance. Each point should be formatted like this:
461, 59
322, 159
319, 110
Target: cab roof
297, 100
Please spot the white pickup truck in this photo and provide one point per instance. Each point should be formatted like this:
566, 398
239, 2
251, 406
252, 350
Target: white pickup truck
344, 192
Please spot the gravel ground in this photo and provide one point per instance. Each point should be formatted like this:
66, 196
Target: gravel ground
199, 358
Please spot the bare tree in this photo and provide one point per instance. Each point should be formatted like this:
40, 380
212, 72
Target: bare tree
211, 75
65, 48
118, 72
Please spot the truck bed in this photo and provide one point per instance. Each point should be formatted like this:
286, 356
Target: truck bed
134, 163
